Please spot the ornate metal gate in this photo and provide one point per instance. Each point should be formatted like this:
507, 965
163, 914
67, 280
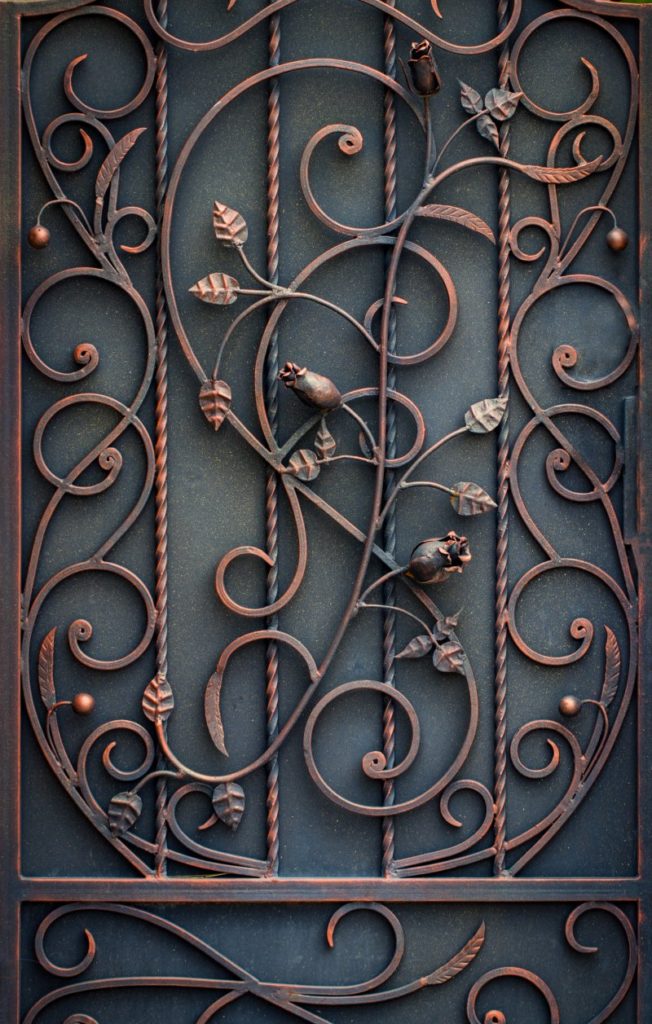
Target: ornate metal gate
324, 419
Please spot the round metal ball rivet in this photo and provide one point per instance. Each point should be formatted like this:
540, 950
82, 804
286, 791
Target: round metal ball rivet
83, 703
570, 706
617, 239
38, 237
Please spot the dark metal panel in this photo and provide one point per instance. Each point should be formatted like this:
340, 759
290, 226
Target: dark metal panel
270, 890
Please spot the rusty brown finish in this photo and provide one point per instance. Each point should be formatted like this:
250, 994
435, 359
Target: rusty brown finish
410, 878
294, 999
293, 469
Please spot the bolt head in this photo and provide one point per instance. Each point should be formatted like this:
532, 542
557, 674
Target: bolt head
38, 237
617, 239
83, 703
570, 706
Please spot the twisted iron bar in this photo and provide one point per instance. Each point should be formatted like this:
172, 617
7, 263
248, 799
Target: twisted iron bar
271, 400
389, 534
161, 425
500, 682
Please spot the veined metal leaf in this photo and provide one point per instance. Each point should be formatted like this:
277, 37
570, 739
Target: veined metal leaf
229, 803
485, 416
215, 401
487, 129
325, 443
304, 465
501, 103
561, 175
612, 661
230, 226
46, 670
218, 289
213, 712
460, 961
449, 657
124, 811
469, 499
112, 161
457, 215
470, 99
158, 699
416, 648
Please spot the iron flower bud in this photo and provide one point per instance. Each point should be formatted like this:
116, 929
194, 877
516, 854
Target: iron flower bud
425, 74
433, 560
312, 388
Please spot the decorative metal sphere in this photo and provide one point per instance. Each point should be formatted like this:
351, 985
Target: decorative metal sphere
83, 703
38, 237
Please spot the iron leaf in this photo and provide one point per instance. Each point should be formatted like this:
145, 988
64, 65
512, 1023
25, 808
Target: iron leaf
217, 289
561, 175
124, 811
158, 699
417, 648
485, 416
487, 129
460, 961
230, 226
457, 215
304, 465
215, 401
501, 103
325, 443
229, 803
449, 657
612, 661
470, 99
469, 499
213, 712
112, 161
46, 670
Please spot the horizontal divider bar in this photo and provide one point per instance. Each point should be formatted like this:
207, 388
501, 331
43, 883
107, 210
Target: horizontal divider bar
318, 890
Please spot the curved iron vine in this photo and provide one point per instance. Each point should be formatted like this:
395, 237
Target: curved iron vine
298, 462
235, 981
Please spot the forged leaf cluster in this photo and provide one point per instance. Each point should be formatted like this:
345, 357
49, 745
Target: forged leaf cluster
498, 105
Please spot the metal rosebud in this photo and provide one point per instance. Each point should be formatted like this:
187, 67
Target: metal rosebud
433, 560
425, 75
312, 388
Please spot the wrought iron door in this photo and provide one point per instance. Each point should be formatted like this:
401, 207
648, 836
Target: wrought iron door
324, 338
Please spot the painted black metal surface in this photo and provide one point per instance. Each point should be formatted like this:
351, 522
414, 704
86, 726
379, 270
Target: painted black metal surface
333, 524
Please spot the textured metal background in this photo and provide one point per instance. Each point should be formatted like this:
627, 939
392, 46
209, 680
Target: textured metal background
216, 501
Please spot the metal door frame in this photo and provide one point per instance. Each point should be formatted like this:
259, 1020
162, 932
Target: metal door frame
14, 887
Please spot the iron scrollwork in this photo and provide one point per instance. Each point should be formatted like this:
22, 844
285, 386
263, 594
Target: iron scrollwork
310, 1002
294, 466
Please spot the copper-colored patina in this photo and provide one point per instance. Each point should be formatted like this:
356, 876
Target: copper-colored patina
380, 582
